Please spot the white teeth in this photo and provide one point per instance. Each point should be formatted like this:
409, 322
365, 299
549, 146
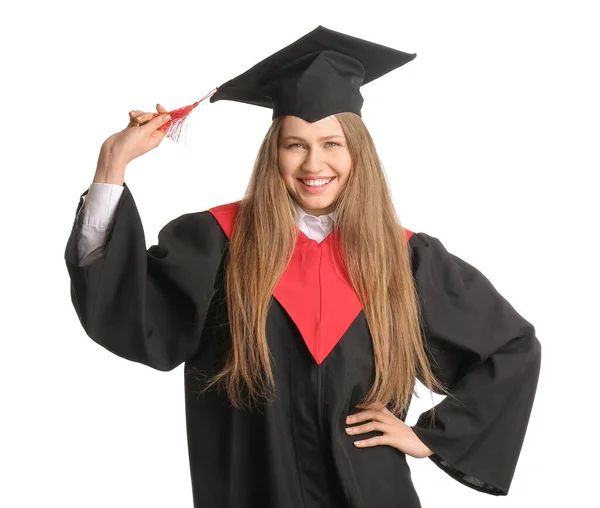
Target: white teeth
316, 183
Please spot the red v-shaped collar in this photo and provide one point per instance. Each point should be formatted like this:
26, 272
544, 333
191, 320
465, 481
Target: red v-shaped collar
314, 289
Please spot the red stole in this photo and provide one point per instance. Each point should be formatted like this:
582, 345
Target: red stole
314, 290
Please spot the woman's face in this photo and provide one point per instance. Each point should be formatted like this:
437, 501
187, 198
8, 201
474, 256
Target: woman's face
312, 152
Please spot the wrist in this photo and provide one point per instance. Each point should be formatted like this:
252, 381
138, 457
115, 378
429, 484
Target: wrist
425, 450
109, 169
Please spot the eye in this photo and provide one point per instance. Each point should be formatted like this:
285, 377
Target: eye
329, 143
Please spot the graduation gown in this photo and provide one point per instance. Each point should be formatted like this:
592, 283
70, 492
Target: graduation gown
165, 306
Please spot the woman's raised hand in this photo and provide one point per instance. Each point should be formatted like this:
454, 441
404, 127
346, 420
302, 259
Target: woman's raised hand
135, 140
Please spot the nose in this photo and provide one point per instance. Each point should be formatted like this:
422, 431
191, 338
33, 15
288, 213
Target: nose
312, 162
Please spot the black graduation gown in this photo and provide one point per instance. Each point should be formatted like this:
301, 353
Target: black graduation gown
165, 305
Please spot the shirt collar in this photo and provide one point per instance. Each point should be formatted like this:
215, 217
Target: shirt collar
325, 219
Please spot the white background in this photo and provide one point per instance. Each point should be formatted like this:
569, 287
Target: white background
489, 139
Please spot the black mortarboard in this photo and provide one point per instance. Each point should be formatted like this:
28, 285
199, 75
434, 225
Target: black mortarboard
318, 75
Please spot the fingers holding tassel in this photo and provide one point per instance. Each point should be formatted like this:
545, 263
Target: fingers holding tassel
171, 128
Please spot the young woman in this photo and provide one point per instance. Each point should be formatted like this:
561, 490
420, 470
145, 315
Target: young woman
305, 312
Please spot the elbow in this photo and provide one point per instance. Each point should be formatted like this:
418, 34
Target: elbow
534, 346
530, 350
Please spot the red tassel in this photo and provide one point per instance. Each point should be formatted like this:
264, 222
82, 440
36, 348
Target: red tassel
178, 117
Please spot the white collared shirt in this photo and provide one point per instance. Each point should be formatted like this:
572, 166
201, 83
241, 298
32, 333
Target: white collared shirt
316, 228
100, 203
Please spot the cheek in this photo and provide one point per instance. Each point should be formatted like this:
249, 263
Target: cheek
344, 165
284, 167
287, 163
287, 173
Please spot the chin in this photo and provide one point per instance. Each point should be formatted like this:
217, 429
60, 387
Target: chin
315, 204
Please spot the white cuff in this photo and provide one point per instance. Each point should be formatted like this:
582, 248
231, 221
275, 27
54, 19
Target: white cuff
100, 204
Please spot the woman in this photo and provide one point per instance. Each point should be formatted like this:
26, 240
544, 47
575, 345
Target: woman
305, 312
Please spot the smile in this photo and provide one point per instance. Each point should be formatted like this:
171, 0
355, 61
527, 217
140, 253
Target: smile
316, 183
319, 186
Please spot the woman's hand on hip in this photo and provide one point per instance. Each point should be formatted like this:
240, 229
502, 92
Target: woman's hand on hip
396, 433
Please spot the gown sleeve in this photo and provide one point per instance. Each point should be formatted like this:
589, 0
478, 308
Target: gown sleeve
148, 305
487, 356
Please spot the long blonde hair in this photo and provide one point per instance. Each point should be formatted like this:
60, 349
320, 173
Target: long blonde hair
377, 261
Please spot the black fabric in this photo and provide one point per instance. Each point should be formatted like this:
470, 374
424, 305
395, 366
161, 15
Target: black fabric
318, 75
490, 358
148, 306
165, 306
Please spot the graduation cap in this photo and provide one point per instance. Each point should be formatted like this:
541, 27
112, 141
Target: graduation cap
318, 75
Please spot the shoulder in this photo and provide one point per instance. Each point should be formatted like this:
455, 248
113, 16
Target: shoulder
213, 225
441, 270
217, 220
428, 254
418, 240
225, 215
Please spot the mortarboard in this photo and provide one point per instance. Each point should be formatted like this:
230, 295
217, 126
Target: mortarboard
318, 75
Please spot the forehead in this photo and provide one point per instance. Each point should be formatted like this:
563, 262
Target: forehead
296, 126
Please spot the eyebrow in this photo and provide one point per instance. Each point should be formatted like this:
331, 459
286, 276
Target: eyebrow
321, 139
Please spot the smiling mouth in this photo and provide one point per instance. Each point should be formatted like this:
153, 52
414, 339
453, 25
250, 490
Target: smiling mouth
316, 182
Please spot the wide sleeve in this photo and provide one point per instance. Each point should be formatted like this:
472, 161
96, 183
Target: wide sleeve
148, 305
487, 356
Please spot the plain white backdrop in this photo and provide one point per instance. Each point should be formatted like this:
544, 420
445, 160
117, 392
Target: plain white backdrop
489, 140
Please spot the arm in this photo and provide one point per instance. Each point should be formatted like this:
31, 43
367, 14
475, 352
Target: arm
489, 358
148, 305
